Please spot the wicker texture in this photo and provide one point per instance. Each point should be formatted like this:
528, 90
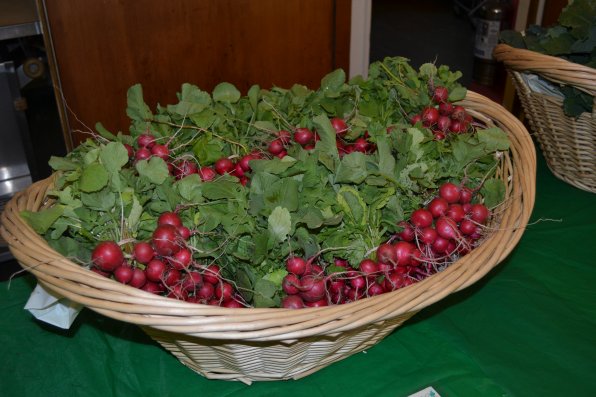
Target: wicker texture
271, 344
568, 144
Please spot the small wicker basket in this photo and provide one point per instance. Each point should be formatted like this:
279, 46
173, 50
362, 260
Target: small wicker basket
271, 344
568, 144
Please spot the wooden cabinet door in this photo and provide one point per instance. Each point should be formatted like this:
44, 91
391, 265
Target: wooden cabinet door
101, 48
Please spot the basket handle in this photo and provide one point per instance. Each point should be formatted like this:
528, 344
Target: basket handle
555, 69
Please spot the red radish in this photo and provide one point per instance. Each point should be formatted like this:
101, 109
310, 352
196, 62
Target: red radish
123, 273
284, 153
184, 232
407, 233
447, 228
160, 151
296, 265
459, 113
465, 195
177, 292
456, 126
403, 253
276, 146
440, 245
243, 180
479, 213
312, 288
445, 108
166, 240
361, 145
143, 252
153, 287
245, 162
207, 174
449, 192
393, 281
438, 207
155, 270
171, 277
320, 303
467, 227
356, 281
138, 278
430, 116
440, 94
290, 284
181, 259
303, 136
130, 150
192, 281
456, 212
212, 274
336, 286
375, 289
169, 218
233, 304
206, 291
339, 125
284, 136
415, 119
145, 140
421, 218
142, 154
443, 123
439, 136
292, 302
467, 207
238, 171
224, 291
107, 256
369, 268
223, 166
386, 254
185, 168
428, 235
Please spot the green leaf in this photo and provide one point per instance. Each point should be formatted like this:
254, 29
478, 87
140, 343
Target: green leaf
94, 178
137, 109
264, 292
493, 139
353, 205
192, 101
135, 214
352, 169
42, 220
280, 223
226, 92
155, 169
104, 132
62, 164
207, 150
190, 188
276, 277
113, 156
331, 83
457, 94
493, 191
103, 200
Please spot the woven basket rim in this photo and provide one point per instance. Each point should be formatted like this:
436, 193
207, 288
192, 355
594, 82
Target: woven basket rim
558, 70
132, 305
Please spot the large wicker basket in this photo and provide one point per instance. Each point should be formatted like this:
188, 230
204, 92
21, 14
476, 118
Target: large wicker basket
272, 344
568, 144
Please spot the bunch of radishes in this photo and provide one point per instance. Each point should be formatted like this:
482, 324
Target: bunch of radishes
433, 237
165, 265
442, 117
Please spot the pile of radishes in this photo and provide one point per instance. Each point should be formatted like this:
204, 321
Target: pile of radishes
434, 237
165, 265
442, 117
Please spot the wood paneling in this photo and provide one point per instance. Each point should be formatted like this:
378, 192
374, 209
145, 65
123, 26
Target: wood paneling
102, 47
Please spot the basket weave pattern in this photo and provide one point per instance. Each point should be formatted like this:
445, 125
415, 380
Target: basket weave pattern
568, 144
271, 344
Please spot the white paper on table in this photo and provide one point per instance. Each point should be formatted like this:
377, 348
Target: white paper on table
52, 308
428, 392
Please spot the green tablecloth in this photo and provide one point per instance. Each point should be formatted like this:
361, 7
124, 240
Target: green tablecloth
527, 329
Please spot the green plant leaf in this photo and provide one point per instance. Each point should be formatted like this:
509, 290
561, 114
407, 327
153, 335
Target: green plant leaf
280, 223
155, 169
94, 178
42, 220
113, 156
226, 92
352, 169
137, 109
